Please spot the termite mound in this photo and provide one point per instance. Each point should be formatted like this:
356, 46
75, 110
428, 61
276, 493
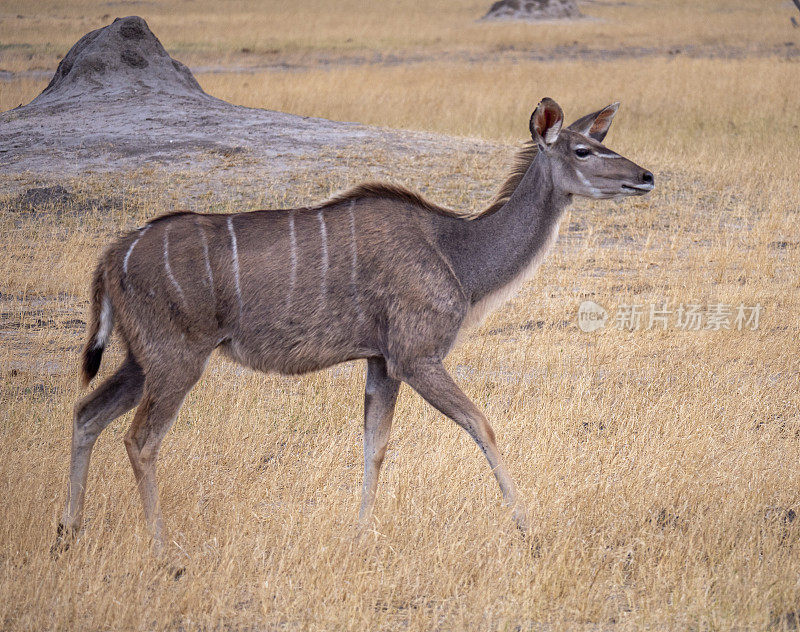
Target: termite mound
121, 59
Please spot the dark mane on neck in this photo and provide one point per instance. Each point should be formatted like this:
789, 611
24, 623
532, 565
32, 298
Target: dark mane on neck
385, 190
522, 161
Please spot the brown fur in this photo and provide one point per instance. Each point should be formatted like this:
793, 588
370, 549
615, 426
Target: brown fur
376, 273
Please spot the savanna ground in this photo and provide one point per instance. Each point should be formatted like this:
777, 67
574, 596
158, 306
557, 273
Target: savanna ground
662, 467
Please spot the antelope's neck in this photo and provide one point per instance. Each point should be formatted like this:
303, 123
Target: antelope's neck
503, 249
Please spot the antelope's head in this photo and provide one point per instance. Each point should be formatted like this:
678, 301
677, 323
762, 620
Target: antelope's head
579, 162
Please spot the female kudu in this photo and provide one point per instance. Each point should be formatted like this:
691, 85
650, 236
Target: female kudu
376, 273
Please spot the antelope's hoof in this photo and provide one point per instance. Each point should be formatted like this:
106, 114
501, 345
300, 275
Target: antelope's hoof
533, 543
177, 572
520, 517
65, 536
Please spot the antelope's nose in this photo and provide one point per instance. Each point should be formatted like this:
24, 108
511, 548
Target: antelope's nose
647, 178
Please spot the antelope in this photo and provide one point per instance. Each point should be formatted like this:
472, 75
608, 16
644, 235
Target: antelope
376, 273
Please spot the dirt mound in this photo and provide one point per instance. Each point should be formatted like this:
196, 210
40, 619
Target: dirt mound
123, 58
532, 10
119, 103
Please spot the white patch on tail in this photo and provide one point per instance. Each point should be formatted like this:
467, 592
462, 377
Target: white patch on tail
106, 323
480, 311
168, 268
293, 256
354, 265
323, 232
127, 258
235, 256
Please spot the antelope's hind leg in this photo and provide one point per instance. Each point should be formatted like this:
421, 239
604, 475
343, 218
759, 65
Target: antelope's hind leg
165, 389
431, 380
114, 397
380, 397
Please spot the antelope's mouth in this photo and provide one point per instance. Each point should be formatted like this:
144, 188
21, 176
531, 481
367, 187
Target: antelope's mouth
638, 189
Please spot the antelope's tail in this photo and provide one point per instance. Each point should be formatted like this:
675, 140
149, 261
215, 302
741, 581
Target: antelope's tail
101, 322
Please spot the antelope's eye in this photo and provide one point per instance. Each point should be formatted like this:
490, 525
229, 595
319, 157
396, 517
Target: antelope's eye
582, 152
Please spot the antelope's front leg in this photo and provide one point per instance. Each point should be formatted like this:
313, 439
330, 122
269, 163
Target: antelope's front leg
431, 380
380, 397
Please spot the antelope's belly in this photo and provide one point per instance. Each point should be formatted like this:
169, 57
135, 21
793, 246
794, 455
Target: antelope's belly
297, 345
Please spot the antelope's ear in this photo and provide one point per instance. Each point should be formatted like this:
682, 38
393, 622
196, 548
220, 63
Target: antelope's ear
546, 122
596, 124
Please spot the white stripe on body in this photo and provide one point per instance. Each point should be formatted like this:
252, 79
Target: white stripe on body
168, 268
127, 258
235, 253
293, 256
323, 281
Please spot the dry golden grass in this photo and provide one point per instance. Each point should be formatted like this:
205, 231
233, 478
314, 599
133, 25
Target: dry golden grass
36, 34
660, 466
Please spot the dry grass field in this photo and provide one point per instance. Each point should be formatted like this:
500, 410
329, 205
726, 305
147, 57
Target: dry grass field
662, 467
